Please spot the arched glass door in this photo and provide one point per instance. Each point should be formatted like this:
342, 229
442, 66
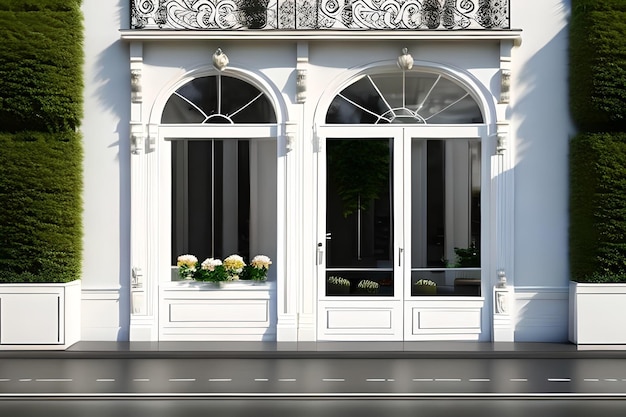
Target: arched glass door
400, 204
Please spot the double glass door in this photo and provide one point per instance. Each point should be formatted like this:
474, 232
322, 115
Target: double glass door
400, 213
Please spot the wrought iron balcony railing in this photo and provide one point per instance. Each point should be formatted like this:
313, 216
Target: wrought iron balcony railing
320, 14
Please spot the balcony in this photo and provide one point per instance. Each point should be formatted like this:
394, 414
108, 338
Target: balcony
320, 15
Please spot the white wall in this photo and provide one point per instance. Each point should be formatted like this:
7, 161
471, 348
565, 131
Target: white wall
106, 168
541, 127
540, 133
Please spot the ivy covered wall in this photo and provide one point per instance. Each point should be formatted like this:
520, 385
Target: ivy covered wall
598, 152
41, 61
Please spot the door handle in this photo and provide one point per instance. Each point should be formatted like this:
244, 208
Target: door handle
400, 253
320, 253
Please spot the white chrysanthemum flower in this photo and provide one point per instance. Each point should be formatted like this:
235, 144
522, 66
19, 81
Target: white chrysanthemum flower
261, 262
234, 263
189, 261
210, 264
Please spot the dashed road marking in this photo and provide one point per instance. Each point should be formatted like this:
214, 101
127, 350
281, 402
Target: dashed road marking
591, 380
54, 380
261, 379
559, 379
423, 380
333, 380
25, 379
220, 380
479, 380
518, 380
182, 379
611, 380
376, 380
447, 379
287, 380
141, 380
105, 380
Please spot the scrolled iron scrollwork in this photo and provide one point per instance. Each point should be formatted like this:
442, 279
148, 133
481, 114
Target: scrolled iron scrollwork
320, 14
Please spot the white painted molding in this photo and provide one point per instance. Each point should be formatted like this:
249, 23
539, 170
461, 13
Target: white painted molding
100, 314
365, 35
541, 314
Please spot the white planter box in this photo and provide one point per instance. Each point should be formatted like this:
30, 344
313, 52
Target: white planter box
239, 310
596, 314
39, 316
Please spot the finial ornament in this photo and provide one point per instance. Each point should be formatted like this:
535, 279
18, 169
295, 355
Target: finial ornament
405, 61
220, 60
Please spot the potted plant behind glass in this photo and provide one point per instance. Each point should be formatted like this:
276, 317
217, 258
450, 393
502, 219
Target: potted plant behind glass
337, 286
41, 176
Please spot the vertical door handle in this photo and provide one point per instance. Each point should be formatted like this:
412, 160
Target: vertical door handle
400, 253
320, 253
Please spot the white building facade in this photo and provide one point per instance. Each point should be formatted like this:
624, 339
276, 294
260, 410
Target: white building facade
367, 148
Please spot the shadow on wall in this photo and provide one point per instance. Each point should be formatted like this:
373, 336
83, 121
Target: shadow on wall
543, 127
113, 78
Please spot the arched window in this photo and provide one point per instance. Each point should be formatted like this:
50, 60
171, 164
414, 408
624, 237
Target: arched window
223, 188
218, 99
416, 97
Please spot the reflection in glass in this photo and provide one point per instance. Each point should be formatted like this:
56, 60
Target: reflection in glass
445, 213
411, 97
218, 99
359, 214
223, 198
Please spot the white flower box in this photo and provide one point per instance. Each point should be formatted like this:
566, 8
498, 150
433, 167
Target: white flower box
596, 313
229, 310
37, 316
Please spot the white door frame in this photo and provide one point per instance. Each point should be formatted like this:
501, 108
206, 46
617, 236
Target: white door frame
398, 317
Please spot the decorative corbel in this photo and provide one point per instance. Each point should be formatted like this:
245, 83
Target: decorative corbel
153, 133
290, 135
220, 60
136, 138
302, 62
506, 60
501, 293
502, 137
505, 86
405, 61
135, 85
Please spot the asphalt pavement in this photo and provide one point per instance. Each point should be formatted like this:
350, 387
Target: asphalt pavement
199, 370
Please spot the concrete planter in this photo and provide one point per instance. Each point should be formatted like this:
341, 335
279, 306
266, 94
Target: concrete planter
39, 316
596, 313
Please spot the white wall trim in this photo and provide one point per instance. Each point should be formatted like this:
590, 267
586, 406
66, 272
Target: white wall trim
101, 314
385, 35
541, 314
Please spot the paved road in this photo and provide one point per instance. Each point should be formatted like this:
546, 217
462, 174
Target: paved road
303, 378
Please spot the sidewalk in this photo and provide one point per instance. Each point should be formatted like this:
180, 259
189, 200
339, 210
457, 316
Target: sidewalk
357, 350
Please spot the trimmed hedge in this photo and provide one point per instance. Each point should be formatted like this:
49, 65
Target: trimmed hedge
41, 61
598, 207
41, 211
41, 90
598, 65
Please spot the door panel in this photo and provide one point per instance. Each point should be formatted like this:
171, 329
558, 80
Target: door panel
359, 216
395, 208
